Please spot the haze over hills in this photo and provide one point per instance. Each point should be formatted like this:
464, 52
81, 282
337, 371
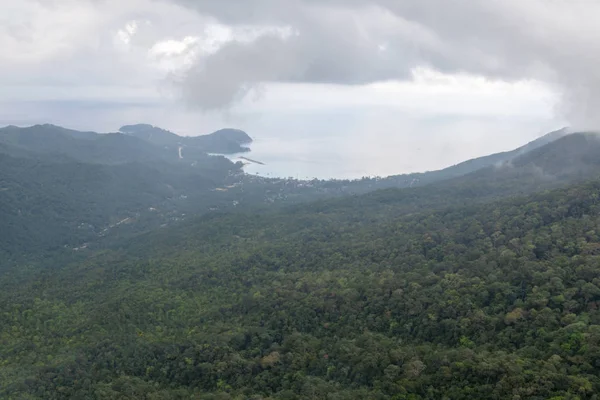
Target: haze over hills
128, 272
428, 247
466, 167
60, 187
483, 284
117, 148
59, 180
224, 141
160, 188
47, 204
571, 159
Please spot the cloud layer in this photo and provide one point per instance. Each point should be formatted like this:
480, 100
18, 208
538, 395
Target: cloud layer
212, 53
360, 42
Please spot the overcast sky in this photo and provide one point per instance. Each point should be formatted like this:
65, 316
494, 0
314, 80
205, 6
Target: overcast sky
474, 76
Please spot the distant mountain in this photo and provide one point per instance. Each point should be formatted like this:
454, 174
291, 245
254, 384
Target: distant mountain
136, 143
54, 181
571, 159
90, 147
466, 167
224, 141
493, 159
155, 135
41, 134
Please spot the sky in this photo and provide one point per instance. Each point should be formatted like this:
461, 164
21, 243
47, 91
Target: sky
433, 81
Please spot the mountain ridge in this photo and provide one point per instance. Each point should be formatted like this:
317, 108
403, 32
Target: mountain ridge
117, 147
225, 141
468, 166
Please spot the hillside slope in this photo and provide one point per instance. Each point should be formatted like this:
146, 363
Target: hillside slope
46, 204
88, 147
469, 166
571, 159
481, 301
223, 141
136, 143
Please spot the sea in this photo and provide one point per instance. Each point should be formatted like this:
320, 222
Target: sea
328, 157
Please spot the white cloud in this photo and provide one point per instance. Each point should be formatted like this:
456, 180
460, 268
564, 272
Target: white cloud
339, 41
31, 31
429, 93
128, 31
173, 47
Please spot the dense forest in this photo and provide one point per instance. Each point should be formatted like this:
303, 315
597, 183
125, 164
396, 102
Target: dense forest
497, 301
484, 285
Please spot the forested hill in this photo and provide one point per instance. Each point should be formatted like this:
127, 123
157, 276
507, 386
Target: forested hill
62, 189
134, 144
496, 300
225, 141
571, 159
88, 147
470, 166
46, 205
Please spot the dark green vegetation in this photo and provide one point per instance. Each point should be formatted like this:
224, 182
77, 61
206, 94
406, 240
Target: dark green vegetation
486, 285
